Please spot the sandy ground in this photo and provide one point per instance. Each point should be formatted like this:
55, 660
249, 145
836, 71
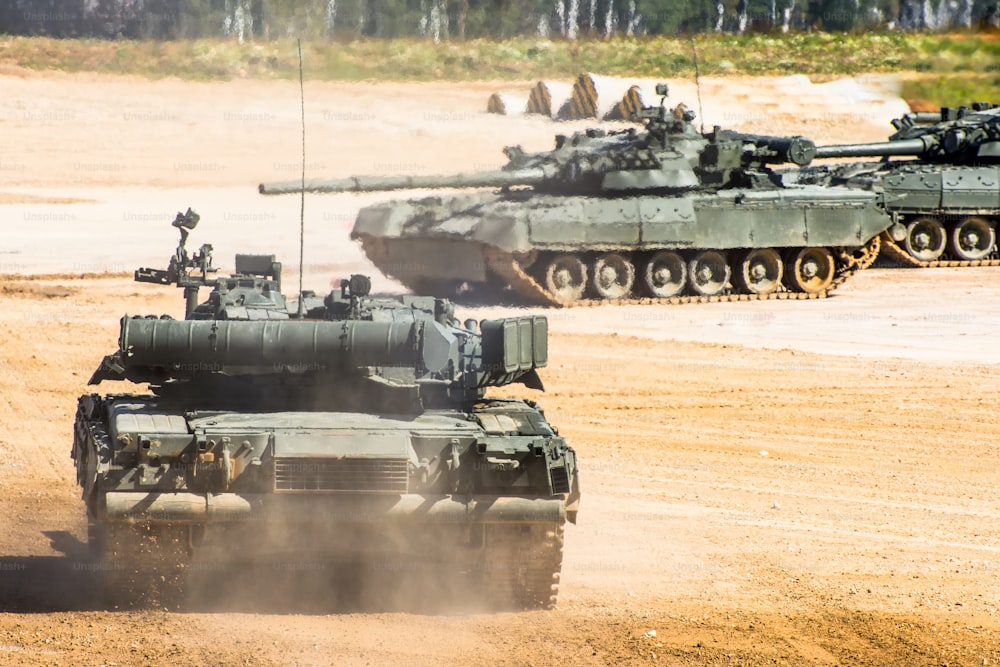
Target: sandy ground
764, 483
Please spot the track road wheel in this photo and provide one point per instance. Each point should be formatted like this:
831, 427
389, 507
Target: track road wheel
759, 271
925, 239
614, 276
810, 270
665, 274
566, 278
709, 273
971, 239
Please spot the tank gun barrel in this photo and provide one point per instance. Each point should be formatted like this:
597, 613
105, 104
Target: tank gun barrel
914, 147
485, 179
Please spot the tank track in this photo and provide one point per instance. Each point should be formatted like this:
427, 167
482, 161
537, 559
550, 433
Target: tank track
521, 565
529, 290
898, 254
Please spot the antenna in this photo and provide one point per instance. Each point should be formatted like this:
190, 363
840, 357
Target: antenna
697, 84
302, 203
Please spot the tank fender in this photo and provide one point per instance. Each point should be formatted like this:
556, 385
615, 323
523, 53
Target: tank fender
167, 507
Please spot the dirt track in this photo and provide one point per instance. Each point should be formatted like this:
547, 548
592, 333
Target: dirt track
814, 487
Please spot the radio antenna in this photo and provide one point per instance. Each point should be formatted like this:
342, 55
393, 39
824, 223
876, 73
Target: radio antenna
697, 83
302, 201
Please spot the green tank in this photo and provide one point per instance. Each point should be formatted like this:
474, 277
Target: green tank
340, 429
939, 179
662, 213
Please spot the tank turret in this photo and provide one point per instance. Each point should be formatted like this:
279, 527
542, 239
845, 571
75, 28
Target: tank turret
967, 135
659, 213
252, 292
939, 179
667, 155
354, 423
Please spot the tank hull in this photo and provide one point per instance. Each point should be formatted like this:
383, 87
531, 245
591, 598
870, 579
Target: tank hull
472, 240
944, 215
443, 489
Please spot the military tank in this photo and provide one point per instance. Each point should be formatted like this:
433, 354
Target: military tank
661, 214
939, 178
341, 428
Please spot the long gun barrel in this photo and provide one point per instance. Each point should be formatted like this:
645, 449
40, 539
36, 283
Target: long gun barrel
486, 179
914, 147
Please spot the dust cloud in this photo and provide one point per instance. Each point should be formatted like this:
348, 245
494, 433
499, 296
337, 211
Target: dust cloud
788, 484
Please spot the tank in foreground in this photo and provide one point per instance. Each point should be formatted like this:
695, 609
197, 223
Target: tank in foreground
939, 178
348, 430
659, 214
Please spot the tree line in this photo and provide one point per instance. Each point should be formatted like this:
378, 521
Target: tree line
463, 19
